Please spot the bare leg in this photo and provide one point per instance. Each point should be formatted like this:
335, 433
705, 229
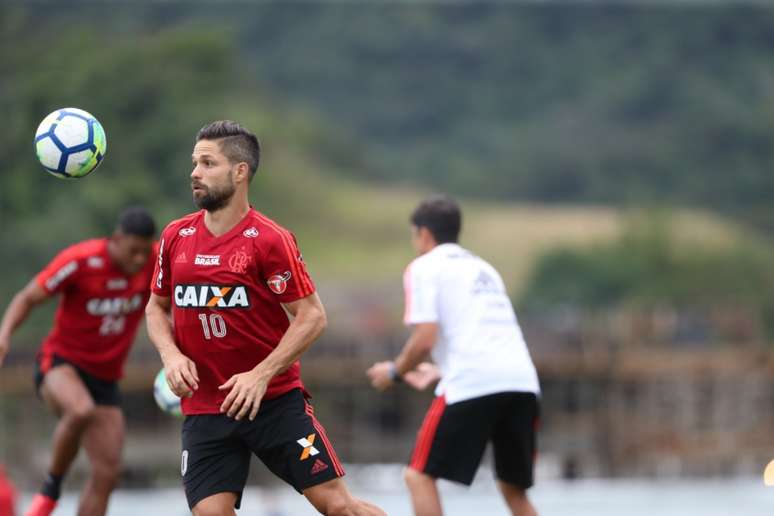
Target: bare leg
334, 499
517, 499
221, 504
103, 441
65, 393
424, 493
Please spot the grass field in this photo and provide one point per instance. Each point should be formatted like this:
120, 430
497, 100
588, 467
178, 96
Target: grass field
351, 232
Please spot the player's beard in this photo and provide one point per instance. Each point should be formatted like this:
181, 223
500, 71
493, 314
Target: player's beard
214, 198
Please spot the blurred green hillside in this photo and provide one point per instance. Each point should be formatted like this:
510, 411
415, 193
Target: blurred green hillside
565, 102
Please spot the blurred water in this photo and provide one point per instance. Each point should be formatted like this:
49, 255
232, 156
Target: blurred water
744, 497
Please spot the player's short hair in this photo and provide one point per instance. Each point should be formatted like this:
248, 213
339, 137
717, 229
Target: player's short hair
441, 215
136, 221
236, 142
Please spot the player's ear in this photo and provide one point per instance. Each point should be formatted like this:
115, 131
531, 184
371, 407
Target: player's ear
242, 172
425, 234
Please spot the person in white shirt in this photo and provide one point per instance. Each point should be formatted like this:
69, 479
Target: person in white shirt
460, 313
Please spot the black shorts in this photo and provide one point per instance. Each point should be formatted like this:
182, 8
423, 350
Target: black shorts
285, 435
453, 438
103, 392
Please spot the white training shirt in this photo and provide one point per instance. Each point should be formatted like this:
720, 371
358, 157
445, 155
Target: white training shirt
480, 348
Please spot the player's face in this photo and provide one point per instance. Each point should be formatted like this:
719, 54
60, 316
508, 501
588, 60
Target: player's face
421, 239
212, 178
130, 252
416, 240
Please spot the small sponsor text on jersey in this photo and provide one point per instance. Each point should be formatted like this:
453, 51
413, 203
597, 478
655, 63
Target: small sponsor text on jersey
207, 259
114, 305
61, 275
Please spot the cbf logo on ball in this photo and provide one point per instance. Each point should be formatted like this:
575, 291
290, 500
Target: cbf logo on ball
70, 143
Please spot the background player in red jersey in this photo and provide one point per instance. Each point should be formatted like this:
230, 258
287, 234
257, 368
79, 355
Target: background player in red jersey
104, 284
228, 274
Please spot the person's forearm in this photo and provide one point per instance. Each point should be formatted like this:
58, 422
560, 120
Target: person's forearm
160, 333
17, 311
414, 353
417, 348
300, 335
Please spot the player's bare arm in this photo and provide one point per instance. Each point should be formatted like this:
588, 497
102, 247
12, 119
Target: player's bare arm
20, 307
418, 346
180, 370
247, 389
422, 376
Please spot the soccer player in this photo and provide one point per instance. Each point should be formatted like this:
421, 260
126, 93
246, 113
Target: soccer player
103, 285
460, 313
230, 276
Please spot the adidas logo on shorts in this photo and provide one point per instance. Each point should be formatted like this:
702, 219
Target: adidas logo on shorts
318, 467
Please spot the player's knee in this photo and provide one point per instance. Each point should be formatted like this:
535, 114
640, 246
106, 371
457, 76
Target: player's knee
221, 504
512, 491
340, 506
211, 510
80, 413
107, 474
516, 499
414, 478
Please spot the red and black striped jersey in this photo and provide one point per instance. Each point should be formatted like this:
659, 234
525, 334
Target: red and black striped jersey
226, 295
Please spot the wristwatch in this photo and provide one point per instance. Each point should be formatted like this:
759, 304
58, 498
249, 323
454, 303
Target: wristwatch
394, 376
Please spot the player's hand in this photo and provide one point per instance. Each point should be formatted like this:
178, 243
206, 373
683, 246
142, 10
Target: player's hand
181, 375
5, 345
246, 392
381, 375
424, 375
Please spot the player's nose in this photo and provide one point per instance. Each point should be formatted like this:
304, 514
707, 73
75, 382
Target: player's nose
196, 173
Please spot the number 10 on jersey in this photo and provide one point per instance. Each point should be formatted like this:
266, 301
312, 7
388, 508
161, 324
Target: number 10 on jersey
213, 326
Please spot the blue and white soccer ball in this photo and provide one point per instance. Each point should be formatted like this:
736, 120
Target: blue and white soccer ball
167, 400
70, 143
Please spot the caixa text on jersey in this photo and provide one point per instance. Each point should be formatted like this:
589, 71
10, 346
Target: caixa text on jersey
211, 296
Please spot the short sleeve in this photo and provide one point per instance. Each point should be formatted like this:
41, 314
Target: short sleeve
284, 270
421, 294
60, 272
160, 281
